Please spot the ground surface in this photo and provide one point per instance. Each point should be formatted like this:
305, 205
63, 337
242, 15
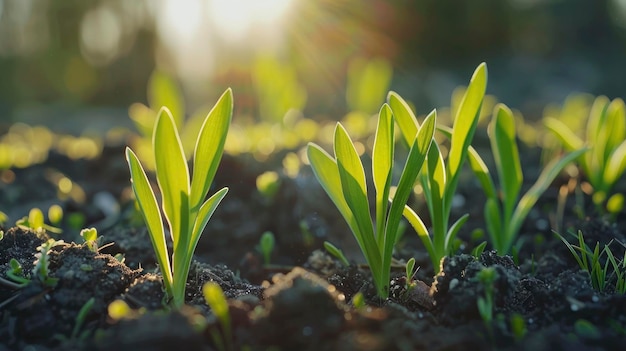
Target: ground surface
304, 299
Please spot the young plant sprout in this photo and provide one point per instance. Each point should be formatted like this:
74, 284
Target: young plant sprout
343, 179
505, 212
337, 253
605, 163
266, 246
214, 297
439, 179
183, 201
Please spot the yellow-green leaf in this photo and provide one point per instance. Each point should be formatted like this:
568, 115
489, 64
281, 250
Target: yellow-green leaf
209, 148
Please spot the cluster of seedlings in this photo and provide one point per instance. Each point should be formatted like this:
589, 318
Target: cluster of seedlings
435, 157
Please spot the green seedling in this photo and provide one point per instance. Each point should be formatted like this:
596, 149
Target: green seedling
518, 326
487, 276
3, 218
410, 272
591, 261
440, 179
90, 236
42, 261
35, 221
79, 322
478, 249
16, 273
343, 179
605, 136
183, 204
505, 211
337, 253
215, 298
266, 246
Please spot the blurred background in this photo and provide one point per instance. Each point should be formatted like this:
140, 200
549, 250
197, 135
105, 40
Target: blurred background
75, 64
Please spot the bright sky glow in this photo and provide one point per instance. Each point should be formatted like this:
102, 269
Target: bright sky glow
237, 19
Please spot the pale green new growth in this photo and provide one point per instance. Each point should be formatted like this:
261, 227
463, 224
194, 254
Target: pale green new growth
440, 178
505, 212
183, 201
343, 179
605, 136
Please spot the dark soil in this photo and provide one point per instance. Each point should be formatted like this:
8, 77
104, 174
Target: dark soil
304, 300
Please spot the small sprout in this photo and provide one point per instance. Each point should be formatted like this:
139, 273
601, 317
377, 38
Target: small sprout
358, 300
90, 236
266, 246
80, 319
518, 326
336, 252
42, 261
16, 273
1, 235
410, 272
183, 192
268, 184
478, 250
35, 221
487, 277
86, 267
215, 298
55, 214
120, 257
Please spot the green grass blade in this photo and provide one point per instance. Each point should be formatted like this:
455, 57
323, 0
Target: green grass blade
173, 177
454, 230
565, 135
204, 215
504, 148
354, 189
382, 165
466, 119
209, 148
436, 184
616, 165
481, 171
412, 167
616, 126
420, 228
404, 116
325, 170
151, 215
529, 199
493, 219
477, 165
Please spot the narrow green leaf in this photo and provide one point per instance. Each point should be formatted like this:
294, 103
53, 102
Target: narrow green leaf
210, 147
615, 125
173, 178
151, 215
412, 167
204, 215
454, 230
404, 116
434, 185
325, 170
616, 165
466, 119
352, 178
481, 171
163, 91
354, 189
420, 228
570, 140
529, 199
493, 220
382, 165
506, 155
